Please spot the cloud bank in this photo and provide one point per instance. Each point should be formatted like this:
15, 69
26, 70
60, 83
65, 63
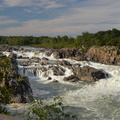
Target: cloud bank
74, 18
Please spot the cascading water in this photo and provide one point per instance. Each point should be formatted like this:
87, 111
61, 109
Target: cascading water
90, 101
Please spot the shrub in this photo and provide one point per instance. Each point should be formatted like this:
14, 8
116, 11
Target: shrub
55, 111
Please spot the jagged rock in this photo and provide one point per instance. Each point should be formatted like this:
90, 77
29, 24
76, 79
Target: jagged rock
57, 70
20, 86
36, 59
79, 58
71, 78
89, 74
43, 69
45, 62
105, 54
65, 63
22, 91
76, 54
49, 53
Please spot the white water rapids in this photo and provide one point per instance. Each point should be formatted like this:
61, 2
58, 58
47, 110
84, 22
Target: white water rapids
90, 101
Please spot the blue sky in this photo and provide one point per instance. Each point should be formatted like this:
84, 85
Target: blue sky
57, 17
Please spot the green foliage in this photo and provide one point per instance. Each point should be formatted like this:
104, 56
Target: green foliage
20, 79
101, 38
55, 111
5, 98
5, 93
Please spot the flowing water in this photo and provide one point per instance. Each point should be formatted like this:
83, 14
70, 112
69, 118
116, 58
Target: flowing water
89, 101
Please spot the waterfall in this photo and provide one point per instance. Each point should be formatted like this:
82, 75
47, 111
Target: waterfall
99, 100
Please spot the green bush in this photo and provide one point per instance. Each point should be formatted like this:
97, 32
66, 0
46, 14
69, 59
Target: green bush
5, 98
55, 111
5, 92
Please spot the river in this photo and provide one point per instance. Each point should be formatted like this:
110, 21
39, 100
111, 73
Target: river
89, 101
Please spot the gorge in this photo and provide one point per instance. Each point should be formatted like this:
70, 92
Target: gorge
89, 89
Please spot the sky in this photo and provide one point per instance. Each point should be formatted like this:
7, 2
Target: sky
57, 17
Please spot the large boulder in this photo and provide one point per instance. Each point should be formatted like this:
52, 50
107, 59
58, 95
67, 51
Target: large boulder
89, 74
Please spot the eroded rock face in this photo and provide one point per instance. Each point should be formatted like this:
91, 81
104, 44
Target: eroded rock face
65, 64
89, 74
105, 54
22, 91
76, 54
58, 71
71, 78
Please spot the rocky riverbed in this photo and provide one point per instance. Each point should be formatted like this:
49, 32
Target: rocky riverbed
72, 74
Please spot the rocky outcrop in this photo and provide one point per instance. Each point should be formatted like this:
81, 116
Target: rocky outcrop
71, 78
21, 89
76, 54
89, 74
105, 55
8, 48
65, 64
58, 71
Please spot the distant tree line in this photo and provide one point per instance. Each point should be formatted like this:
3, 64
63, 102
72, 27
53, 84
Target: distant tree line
101, 38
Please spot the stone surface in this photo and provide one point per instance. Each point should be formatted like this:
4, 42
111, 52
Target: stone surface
105, 54
71, 78
58, 71
21, 89
22, 92
65, 64
89, 74
69, 53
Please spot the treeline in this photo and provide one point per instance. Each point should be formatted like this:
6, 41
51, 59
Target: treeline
101, 38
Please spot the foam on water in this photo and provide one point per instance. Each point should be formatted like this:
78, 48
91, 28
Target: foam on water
92, 101
109, 86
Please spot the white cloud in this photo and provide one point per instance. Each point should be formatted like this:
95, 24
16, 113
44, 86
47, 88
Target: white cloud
53, 4
93, 16
40, 3
54, 28
3, 17
4, 22
12, 3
